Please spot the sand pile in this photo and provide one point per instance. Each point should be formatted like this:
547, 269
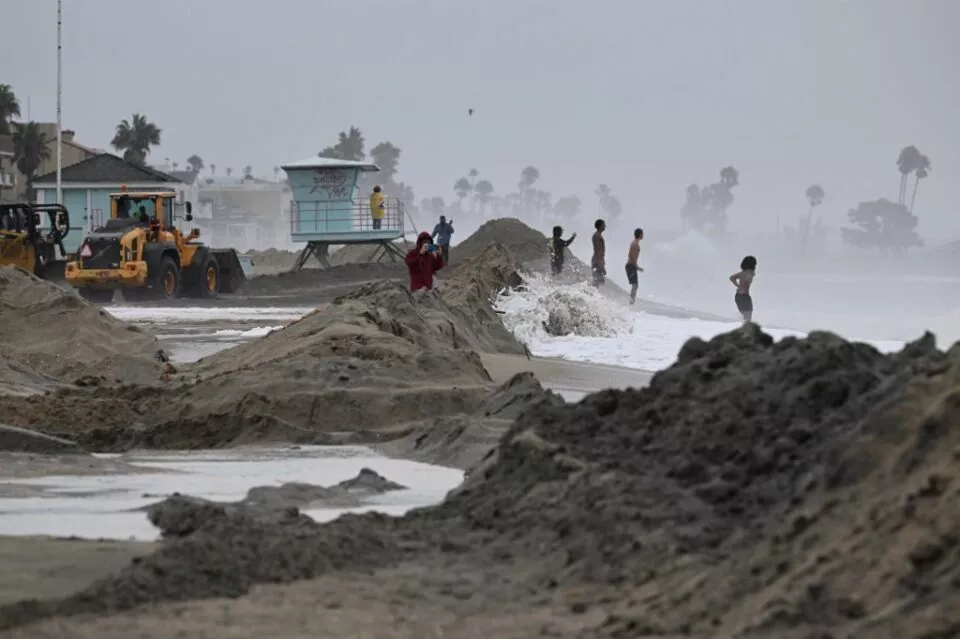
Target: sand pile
524, 243
363, 253
801, 489
54, 333
469, 292
368, 367
349, 275
528, 245
176, 516
272, 259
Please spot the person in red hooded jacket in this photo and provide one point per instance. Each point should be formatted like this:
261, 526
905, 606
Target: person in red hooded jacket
423, 261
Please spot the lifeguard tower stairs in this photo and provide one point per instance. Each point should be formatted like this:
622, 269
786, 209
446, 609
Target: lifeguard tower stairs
327, 211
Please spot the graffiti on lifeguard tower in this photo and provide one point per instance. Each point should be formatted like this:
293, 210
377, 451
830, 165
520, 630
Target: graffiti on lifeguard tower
333, 181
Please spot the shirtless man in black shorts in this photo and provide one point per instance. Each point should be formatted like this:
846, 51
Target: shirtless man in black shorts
632, 266
598, 263
742, 280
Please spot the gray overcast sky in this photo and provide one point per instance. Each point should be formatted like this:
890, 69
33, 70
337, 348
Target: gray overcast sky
646, 95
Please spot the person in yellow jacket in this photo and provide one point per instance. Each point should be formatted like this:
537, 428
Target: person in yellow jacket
378, 209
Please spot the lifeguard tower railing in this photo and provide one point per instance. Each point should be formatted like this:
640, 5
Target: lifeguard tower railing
322, 223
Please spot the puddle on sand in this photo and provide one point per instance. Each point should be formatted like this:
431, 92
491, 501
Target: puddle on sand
102, 506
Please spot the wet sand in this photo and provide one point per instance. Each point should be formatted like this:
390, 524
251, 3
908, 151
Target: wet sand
562, 375
45, 567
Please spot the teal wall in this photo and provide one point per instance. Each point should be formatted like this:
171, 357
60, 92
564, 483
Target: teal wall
324, 200
75, 200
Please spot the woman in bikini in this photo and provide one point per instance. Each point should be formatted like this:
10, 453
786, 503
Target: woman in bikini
742, 280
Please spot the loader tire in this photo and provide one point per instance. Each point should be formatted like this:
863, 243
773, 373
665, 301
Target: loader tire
167, 281
205, 282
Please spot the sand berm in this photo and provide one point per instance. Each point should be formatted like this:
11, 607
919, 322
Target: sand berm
368, 368
801, 489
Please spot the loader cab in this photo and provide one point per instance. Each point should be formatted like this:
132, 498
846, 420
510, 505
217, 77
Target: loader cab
156, 210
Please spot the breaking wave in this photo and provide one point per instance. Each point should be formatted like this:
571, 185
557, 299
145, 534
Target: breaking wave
539, 309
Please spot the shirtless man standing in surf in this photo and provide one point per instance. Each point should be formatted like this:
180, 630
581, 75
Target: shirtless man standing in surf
632, 267
598, 263
742, 280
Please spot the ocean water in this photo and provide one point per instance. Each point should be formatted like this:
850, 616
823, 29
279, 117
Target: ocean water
589, 327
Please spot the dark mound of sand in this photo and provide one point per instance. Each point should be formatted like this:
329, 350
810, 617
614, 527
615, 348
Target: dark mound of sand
801, 489
48, 332
182, 515
223, 551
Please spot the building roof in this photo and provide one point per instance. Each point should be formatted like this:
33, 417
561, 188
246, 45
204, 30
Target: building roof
106, 168
187, 177
6, 145
318, 162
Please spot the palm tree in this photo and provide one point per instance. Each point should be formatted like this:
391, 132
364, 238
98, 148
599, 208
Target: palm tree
922, 169
602, 192
195, 162
483, 189
135, 137
612, 207
723, 193
349, 146
229, 171
387, 157
692, 211
213, 169
815, 197
729, 177
907, 163
9, 108
276, 174
529, 177
30, 148
248, 172
462, 188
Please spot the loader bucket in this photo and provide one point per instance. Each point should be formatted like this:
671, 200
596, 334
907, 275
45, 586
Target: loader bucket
232, 276
53, 272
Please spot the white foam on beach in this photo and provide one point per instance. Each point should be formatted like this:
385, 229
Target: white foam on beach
167, 314
258, 331
601, 331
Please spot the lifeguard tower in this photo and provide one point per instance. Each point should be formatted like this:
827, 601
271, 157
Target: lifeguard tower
327, 209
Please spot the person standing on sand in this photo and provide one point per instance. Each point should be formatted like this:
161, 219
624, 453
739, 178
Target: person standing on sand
423, 261
633, 255
557, 247
742, 280
442, 232
378, 209
598, 263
